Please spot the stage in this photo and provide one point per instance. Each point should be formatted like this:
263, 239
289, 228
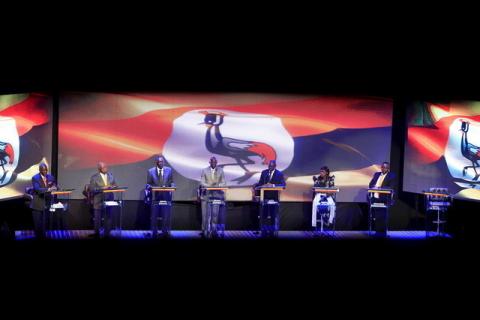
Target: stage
234, 235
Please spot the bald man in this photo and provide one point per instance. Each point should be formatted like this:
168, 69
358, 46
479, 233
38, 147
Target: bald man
212, 176
102, 180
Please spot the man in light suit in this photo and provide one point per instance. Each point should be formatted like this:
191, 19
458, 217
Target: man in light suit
42, 183
160, 176
100, 181
212, 176
270, 177
384, 179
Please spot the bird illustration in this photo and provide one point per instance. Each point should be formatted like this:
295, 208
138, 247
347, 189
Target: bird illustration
242, 151
469, 151
6, 152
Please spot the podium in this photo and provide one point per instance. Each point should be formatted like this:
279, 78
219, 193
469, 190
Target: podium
112, 198
322, 212
216, 212
52, 206
165, 208
437, 200
60, 203
377, 206
269, 212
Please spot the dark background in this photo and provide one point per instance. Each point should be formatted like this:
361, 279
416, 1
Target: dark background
365, 276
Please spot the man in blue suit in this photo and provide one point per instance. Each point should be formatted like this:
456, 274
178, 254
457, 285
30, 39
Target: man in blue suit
42, 183
160, 176
270, 177
384, 179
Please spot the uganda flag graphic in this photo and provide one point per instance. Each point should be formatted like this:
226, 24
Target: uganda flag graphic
443, 148
244, 131
25, 140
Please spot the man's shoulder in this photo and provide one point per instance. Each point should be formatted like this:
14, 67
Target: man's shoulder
95, 175
152, 169
36, 177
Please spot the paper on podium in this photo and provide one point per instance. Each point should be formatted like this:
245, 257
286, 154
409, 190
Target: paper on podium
57, 205
111, 203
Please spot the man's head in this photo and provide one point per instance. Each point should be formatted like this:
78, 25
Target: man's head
213, 162
385, 167
102, 167
160, 162
43, 169
272, 165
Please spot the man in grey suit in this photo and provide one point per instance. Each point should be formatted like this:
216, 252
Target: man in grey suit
42, 184
160, 176
212, 176
100, 181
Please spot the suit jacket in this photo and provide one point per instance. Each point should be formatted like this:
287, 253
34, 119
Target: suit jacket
154, 180
41, 197
388, 183
218, 180
96, 184
277, 179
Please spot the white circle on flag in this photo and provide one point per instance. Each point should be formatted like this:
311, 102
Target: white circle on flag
243, 146
460, 163
9, 149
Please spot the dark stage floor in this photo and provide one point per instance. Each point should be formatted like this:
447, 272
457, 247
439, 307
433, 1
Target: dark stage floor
232, 235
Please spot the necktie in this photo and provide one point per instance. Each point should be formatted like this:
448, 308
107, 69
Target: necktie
44, 180
160, 174
105, 179
271, 176
213, 174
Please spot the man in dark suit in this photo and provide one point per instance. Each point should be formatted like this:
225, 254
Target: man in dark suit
42, 183
270, 177
384, 179
100, 181
160, 176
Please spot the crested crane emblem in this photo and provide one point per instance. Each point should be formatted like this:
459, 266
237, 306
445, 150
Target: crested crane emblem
9, 149
241, 151
463, 152
243, 144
